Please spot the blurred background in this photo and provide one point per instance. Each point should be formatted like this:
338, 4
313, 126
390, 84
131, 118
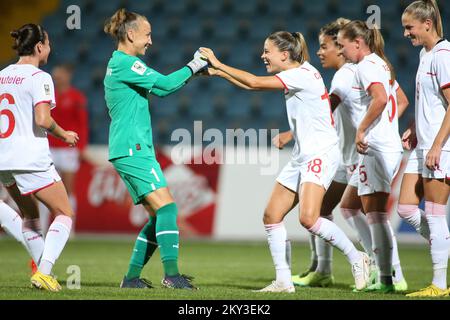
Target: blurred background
236, 30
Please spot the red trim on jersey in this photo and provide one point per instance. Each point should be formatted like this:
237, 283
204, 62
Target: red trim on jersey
37, 72
305, 69
372, 61
372, 85
357, 88
335, 95
431, 74
284, 84
442, 50
45, 101
34, 191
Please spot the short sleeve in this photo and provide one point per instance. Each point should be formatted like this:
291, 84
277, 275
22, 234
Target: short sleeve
294, 79
43, 90
341, 84
368, 74
442, 68
136, 72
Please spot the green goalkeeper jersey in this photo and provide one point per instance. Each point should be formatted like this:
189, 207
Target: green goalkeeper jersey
128, 83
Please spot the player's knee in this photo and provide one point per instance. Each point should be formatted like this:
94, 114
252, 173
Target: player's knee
406, 210
269, 218
307, 220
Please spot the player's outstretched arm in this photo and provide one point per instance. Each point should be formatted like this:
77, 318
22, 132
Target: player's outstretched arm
226, 76
44, 120
168, 84
243, 77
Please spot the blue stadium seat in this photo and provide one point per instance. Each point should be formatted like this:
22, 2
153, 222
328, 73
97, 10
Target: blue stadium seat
351, 9
239, 104
280, 7
260, 29
227, 27
190, 28
106, 9
314, 8
141, 7
273, 105
211, 7
245, 8
175, 7
55, 25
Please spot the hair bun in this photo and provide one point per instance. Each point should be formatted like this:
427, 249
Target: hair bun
15, 34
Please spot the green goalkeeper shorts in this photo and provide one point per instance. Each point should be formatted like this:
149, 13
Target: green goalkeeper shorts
142, 175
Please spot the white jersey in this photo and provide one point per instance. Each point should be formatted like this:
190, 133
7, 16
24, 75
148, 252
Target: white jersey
23, 145
383, 134
309, 113
432, 77
349, 113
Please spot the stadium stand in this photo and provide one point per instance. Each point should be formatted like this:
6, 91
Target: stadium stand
235, 29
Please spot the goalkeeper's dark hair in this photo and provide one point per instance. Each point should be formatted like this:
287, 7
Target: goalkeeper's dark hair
371, 36
332, 29
26, 38
426, 9
292, 42
121, 21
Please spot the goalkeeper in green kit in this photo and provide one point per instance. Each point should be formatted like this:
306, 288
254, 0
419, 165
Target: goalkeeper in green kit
128, 83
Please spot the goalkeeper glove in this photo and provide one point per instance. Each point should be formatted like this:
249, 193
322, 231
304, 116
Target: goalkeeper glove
198, 64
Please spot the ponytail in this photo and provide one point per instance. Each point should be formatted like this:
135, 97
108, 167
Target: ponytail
426, 9
378, 48
118, 25
294, 43
371, 36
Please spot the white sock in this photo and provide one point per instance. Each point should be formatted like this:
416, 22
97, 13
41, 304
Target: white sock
44, 216
331, 233
396, 266
382, 244
34, 241
415, 217
439, 241
73, 204
358, 221
57, 236
324, 253
276, 237
312, 247
11, 222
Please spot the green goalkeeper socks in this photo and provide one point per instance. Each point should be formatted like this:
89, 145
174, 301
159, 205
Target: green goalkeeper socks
167, 236
144, 247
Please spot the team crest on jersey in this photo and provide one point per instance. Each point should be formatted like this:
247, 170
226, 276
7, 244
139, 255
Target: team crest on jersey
139, 68
47, 89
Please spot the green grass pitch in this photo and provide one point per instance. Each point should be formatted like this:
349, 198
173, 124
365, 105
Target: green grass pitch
222, 270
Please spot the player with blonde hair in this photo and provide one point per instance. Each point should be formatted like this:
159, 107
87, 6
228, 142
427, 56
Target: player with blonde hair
427, 174
315, 157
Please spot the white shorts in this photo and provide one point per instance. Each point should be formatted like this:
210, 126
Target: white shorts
377, 171
416, 165
321, 170
30, 182
66, 159
347, 175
